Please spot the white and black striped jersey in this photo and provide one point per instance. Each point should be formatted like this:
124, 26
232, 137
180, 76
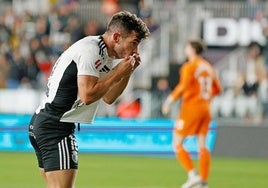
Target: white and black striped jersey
87, 56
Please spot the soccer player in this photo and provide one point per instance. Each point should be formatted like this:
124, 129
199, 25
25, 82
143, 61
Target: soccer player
198, 84
85, 73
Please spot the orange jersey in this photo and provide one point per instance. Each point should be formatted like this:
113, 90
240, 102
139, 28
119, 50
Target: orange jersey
198, 83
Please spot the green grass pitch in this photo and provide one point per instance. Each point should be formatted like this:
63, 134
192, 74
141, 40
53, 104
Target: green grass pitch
19, 170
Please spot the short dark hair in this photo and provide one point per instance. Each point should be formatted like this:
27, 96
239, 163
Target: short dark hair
129, 22
198, 45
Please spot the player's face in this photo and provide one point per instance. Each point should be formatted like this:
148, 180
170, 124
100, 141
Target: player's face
189, 51
126, 45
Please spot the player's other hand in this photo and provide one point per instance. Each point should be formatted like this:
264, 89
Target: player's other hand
137, 60
166, 105
165, 109
127, 66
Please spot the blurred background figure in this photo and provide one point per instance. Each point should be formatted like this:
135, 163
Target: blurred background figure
4, 69
145, 12
160, 93
128, 108
263, 93
253, 8
250, 69
17, 75
109, 7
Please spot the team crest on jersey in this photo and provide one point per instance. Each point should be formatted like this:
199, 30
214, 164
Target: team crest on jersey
97, 64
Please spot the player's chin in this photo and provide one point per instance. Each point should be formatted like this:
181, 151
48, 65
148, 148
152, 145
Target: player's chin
121, 56
127, 54
124, 55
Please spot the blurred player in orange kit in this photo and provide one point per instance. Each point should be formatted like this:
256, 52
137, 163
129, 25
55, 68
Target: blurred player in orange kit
198, 85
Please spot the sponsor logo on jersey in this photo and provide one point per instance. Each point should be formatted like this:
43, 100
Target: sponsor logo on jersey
105, 69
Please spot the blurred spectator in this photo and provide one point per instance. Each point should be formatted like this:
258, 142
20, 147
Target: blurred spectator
159, 95
4, 68
74, 28
63, 13
32, 64
129, 108
5, 33
263, 93
110, 7
264, 23
17, 32
92, 27
248, 82
146, 14
249, 67
45, 46
143, 9
134, 4
9, 17
18, 70
254, 7
42, 27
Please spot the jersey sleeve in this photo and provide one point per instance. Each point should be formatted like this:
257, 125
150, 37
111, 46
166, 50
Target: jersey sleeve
216, 86
86, 64
115, 63
185, 79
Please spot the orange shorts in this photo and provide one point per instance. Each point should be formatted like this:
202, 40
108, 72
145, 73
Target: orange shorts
193, 120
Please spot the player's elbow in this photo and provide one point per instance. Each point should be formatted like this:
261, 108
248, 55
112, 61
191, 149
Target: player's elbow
108, 100
219, 90
87, 99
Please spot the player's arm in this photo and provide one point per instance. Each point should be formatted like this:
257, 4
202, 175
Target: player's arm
185, 80
91, 88
120, 86
116, 90
216, 87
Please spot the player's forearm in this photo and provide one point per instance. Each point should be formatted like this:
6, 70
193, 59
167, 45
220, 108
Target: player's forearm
176, 93
99, 89
217, 89
116, 90
216, 92
92, 89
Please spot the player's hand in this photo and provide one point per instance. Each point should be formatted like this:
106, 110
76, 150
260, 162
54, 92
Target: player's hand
137, 60
126, 67
165, 109
166, 105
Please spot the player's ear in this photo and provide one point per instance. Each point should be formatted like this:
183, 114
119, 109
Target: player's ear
116, 37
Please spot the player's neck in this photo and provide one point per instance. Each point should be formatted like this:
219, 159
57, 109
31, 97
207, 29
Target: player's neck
193, 58
108, 45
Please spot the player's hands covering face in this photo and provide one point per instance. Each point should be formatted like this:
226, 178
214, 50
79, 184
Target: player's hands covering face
128, 65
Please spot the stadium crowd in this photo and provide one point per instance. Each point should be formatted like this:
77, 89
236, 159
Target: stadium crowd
250, 89
30, 44
28, 49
